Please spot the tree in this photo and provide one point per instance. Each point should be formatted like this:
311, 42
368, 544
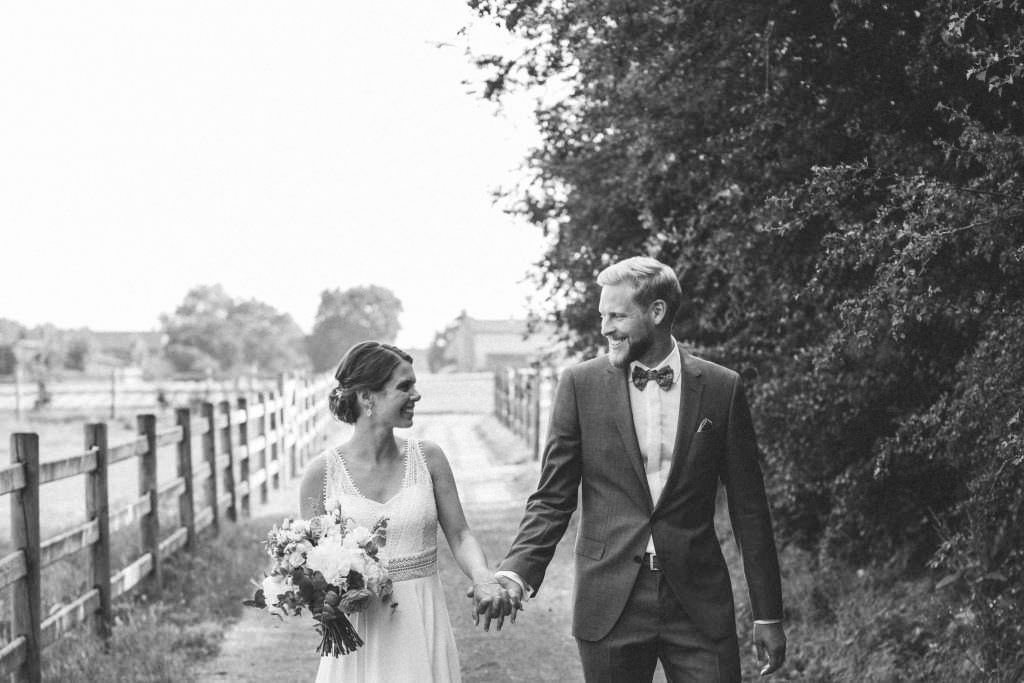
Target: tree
78, 351
211, 331
839, 187
10, 332
200, 334
347, 317
271, 340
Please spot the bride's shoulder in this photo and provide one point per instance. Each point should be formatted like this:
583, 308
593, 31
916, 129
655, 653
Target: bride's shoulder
312, 486
316, 467
433, 455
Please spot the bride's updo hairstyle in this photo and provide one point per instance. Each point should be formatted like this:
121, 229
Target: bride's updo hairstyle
367, 366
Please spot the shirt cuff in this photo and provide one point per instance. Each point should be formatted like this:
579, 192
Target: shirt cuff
512, 576
767, 621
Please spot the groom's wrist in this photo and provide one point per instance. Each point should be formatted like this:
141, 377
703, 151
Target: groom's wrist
512, 576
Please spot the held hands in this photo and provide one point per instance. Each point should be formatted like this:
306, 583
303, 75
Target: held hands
770, 644
494, 600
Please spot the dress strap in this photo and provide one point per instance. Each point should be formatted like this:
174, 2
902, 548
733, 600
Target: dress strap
418, 471
337, 481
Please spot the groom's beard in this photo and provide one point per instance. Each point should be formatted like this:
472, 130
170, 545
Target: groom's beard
630, 350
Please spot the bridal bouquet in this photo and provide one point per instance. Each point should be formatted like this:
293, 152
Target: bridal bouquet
330, 567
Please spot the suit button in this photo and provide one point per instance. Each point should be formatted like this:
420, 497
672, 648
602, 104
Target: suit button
638, 559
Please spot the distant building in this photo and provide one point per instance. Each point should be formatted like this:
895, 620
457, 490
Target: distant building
486, 345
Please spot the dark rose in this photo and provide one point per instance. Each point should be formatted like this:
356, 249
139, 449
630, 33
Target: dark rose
355, 600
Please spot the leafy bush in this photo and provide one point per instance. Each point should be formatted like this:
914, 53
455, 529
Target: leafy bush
840, 187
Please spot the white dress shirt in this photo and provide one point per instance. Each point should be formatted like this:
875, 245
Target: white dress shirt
656, 420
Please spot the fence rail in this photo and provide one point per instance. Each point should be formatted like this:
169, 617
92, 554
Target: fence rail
522, 402
116, 395
246, 448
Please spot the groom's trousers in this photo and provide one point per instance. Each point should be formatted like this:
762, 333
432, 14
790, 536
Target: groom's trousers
653, 627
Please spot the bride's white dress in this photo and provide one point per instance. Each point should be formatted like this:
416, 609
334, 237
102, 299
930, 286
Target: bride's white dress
413, 642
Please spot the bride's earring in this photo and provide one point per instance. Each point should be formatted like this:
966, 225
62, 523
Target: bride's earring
369, 411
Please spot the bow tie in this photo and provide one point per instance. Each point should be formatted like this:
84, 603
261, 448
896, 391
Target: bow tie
663, 376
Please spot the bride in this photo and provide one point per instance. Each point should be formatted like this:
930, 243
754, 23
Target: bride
376, 474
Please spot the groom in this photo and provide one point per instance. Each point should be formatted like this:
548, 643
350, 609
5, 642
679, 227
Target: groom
644, 436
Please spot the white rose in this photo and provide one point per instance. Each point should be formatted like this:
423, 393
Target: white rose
356, 537
373, 575
332, 560
274, 587
297, 553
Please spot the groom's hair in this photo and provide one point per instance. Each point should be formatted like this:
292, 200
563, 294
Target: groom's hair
651, 280
367, 366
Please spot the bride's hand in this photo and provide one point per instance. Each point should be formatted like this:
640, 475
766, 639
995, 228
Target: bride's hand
490, 600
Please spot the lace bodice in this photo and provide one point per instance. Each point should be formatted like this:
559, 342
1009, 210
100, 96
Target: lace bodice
411, 550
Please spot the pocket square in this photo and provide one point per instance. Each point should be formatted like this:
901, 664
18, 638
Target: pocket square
705, 425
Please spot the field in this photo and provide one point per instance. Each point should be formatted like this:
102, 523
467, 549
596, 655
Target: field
60, 436
62, 503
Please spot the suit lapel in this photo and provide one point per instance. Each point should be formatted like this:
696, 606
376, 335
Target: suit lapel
618, 394
692, 390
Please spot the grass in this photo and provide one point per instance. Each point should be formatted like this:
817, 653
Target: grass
158, 641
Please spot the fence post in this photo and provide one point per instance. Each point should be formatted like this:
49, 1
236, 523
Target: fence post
288, 426
244, 457
283, 425
113, 394
28, 615
519, 418
273, 452
229, 471
210, 456
265, 433
497, 393
186, 503
17, 390
535, 385
149, 525
517, 403
545, 397
97, 507
306, 426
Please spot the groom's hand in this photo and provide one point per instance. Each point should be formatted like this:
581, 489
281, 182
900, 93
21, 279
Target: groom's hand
770, 642
515, 595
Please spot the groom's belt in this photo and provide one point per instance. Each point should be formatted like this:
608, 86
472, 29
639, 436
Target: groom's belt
649, 560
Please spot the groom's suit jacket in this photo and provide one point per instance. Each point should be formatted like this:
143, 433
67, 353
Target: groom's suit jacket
592, 456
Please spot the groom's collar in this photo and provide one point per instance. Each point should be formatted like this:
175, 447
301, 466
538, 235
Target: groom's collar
673, 360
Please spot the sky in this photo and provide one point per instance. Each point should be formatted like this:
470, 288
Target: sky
277, 148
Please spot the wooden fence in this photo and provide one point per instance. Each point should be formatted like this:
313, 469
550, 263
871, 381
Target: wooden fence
522, 402
247, 447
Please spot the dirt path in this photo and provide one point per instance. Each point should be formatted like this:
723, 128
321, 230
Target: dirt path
494, 478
